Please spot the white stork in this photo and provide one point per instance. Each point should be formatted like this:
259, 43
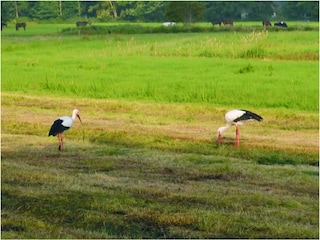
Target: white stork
62, 124
238, 118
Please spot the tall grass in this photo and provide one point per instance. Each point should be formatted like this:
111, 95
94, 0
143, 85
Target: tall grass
217, 82
233, 69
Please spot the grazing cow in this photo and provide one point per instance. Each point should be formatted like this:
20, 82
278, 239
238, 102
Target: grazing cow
168, 24
226, 22
3, 25
216, 22
82, 24
266, 23
281, 24
19, 25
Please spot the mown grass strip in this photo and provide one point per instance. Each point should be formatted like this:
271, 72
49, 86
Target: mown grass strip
153, 194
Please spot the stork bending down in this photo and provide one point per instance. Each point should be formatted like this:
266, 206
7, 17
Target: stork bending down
238, 118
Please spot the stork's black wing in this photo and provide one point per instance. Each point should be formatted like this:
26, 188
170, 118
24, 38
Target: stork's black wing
248, 116
57, 127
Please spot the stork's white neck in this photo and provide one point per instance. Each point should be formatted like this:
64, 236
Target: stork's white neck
222, 129
75, 112
74, 115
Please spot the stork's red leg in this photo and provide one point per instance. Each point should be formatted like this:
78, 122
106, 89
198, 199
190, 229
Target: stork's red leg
58, 135
237, 140
219, 138
60, 142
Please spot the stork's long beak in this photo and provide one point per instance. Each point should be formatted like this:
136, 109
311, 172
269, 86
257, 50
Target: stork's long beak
79, 117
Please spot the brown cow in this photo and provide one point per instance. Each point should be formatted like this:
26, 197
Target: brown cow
19, 25
266, 23
82, 24
225, 22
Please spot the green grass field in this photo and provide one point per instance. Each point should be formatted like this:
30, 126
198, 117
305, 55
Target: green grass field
145, 163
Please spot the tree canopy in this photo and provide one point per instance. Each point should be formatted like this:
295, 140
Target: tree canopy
157, 11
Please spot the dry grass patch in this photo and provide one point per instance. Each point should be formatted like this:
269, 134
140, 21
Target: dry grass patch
297, 132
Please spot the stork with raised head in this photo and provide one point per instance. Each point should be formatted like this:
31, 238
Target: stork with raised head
62, 124
238, 118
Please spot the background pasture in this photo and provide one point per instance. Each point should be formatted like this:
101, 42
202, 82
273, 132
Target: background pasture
215, 64
145, 163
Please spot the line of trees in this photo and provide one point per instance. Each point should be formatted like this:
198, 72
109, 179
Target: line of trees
158, 11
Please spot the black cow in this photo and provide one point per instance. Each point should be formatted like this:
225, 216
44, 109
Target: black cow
82, 24
281, 24
266, 23
225, 22
3, 25
19, 25
216, 22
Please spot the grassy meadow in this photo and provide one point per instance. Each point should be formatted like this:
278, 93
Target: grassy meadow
145, 163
